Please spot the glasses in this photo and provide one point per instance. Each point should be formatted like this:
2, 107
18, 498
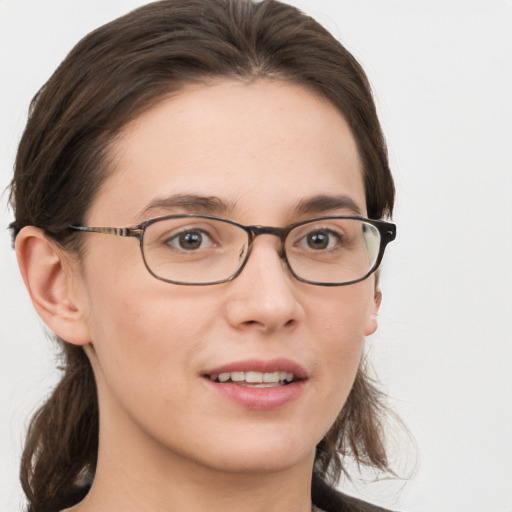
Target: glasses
202, 250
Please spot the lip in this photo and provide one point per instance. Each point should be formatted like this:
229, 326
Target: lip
266, 398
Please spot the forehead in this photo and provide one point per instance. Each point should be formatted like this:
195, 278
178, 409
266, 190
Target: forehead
256, 146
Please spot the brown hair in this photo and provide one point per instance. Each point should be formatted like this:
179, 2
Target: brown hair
110, 77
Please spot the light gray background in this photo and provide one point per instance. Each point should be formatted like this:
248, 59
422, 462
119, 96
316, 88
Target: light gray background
442, 75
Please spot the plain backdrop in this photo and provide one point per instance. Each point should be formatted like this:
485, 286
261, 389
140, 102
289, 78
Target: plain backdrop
442, 75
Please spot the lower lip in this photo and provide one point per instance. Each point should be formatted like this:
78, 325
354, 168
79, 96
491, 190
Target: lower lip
259, 398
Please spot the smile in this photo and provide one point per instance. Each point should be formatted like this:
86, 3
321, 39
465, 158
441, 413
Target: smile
258, 384
255, 379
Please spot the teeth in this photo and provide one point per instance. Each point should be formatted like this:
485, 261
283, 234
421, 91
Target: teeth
271, 377
254, 377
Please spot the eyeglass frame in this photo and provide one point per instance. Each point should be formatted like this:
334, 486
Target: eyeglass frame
387, 231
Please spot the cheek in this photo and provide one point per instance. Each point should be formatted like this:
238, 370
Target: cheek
343, 313
340, 322
344, 346
139, 324
146, 325
145, 356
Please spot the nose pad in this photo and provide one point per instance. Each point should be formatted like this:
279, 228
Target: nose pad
264, 295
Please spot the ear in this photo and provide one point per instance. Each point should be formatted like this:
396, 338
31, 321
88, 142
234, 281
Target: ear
371, 325
49, 276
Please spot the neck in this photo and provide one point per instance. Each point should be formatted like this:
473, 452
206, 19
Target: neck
149, 477
179, 488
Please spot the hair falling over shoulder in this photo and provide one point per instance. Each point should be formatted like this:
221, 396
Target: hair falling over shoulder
62, 440
109, 78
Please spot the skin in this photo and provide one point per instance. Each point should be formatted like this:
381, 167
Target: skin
167, 441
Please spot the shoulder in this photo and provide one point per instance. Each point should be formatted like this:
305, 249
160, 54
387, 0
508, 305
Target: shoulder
330, 500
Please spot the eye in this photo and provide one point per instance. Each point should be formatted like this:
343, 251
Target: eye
190, 240
321, 239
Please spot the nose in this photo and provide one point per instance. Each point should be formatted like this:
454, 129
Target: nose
264, 296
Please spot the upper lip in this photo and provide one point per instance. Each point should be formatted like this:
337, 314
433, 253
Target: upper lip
261, 365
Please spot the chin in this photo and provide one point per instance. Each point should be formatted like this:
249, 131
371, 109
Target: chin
259, 454
257, 463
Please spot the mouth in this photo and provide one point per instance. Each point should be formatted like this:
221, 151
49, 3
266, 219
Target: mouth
254, 379
258, 384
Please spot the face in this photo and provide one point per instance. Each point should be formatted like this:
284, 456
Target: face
261, 150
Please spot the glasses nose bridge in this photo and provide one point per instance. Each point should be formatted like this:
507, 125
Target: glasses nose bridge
255, 231
281, 233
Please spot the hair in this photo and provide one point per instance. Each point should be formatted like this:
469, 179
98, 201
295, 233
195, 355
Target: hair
108, 79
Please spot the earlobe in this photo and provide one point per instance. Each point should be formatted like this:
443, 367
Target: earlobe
371, 325
48, 278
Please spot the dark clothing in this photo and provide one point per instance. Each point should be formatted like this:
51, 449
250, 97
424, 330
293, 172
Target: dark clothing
322, 496
330, 500
75, 495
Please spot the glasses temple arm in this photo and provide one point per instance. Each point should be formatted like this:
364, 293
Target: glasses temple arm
137, 232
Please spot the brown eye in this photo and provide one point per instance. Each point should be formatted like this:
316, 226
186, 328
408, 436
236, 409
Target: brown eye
322, 239
190, 240
318, 240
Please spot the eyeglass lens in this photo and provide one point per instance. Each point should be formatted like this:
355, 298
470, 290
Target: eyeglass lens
197, 250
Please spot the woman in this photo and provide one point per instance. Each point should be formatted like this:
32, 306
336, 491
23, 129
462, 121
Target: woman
216, 363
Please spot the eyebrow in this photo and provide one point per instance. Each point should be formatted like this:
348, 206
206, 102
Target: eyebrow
323, 203
212, 205
188, 202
